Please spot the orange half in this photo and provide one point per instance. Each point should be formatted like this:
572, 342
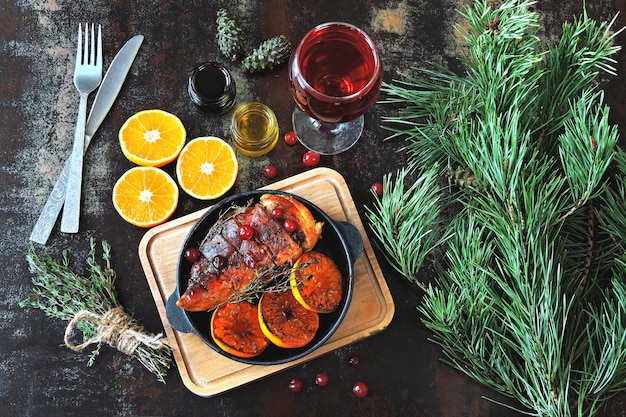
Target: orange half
145, 196
207, 168
152, 138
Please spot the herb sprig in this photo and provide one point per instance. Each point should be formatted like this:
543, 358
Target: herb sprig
64, 294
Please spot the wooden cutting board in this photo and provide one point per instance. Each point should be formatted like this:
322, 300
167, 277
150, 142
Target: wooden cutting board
206, 372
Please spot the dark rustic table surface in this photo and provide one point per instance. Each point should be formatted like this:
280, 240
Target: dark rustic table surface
39, 376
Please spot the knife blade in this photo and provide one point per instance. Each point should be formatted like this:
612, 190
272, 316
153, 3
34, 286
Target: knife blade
105, 97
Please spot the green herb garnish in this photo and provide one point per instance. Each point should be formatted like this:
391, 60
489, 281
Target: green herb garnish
90, 304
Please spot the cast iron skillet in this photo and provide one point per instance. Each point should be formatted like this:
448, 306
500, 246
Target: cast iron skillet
340, 240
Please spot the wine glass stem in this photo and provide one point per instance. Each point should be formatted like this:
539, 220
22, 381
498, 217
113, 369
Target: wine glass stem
326, 138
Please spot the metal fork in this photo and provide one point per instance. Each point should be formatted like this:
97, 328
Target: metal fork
87, 77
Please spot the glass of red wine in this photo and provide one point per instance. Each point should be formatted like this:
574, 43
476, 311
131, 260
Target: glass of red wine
334, 77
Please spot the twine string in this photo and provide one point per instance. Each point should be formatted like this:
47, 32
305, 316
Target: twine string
116, 328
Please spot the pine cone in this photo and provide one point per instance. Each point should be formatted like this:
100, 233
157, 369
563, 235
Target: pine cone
271, 52
229, 35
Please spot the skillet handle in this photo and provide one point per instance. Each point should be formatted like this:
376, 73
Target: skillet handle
353, 239
176, 316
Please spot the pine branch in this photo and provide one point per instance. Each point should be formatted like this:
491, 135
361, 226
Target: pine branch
529, 298
434, 110
404, 221
584, 159
585, 49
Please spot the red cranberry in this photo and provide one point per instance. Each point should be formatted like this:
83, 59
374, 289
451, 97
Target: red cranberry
291, 138
311, 158
354, 361
245, 232
290, 225
276, 213
270, 171
192, 254
219, 262
321, 379
360, 389
377, 187
295, 385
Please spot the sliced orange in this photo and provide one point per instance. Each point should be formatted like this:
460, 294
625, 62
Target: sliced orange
235, 329
145, 196
152, 138
284, 321
316, 282
207, 168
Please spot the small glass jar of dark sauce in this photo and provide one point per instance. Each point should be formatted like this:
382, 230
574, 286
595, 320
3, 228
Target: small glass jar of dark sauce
212, 88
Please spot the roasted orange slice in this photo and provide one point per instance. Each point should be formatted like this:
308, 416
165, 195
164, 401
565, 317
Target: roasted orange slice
307, 229
235, 329
316, 282
284, 321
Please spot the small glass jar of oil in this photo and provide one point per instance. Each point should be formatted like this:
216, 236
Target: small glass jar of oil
254, 129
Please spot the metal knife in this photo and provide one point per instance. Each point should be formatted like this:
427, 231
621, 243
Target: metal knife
107, 93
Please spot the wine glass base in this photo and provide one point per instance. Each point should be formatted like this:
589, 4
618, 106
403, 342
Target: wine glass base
326, 138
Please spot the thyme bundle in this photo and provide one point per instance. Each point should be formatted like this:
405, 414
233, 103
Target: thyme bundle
91, 306
529, 295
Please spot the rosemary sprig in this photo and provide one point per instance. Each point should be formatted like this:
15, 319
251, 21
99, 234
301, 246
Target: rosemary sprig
529, 297
64, 294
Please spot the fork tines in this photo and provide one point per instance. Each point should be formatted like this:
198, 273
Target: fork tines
87, 55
